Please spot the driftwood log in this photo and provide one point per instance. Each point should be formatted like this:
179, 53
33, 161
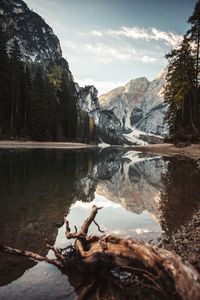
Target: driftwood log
109, 267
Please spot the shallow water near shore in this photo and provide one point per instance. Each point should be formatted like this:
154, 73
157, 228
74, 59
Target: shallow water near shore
142, 195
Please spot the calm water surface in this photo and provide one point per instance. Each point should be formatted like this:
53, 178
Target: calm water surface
143, 196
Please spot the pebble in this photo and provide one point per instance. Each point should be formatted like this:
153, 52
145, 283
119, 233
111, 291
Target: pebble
186, 241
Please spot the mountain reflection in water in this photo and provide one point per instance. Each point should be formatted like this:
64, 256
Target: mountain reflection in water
142, 195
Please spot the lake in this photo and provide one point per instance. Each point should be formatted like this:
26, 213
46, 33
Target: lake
144, 196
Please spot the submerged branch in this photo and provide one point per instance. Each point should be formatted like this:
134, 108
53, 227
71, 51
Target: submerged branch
108, 262
31, 255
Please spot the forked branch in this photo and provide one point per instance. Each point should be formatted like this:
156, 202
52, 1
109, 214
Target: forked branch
124, 267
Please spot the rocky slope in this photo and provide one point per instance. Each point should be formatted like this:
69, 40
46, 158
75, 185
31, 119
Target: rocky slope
132, 114
137, 108
123, 100
36, 39
88, 100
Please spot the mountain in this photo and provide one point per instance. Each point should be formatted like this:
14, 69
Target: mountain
137, 109
152, 108
121, 101
36, 39
131, 114
40, 50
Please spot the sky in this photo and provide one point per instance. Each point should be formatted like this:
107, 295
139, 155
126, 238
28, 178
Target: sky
109, 42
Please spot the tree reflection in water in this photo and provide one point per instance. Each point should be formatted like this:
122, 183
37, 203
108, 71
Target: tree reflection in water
180, 196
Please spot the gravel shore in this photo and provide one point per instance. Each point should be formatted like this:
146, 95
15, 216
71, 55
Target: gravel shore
42, 145
186, 241
192, 151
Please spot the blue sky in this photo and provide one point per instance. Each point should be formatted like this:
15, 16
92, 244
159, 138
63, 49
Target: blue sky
109, 42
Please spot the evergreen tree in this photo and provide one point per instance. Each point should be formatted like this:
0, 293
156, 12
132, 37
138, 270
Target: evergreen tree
16, 71
194, 36
180, 80
67, 109
66, 114
93, 131
52, 104
64, 108
4, 88
42, 107
55, 76
69, 99
38, 121
25, 98
83, 127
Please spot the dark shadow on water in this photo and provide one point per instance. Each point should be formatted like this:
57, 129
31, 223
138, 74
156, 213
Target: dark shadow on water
181, 193
36, 190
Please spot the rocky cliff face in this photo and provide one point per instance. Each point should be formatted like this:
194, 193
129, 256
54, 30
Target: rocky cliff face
131, 114
88, 100
36, 39
121, 101
152, 108
137, 109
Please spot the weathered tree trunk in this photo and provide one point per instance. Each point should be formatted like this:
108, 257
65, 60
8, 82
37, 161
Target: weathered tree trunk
113, 266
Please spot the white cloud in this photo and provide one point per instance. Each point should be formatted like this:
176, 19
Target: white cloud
147, 34
96, 33
108, 54
69, 45
102, 86
106, 48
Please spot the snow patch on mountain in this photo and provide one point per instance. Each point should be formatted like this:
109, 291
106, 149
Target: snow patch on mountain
138, 109
153, 108
36, 39
132, 114
123, 99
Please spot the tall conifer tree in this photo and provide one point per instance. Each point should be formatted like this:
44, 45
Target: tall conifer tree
180, 80
193, 35
16, 68
4, 88
38, 109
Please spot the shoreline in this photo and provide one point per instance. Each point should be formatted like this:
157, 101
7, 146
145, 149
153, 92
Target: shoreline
43, 145
192, 151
